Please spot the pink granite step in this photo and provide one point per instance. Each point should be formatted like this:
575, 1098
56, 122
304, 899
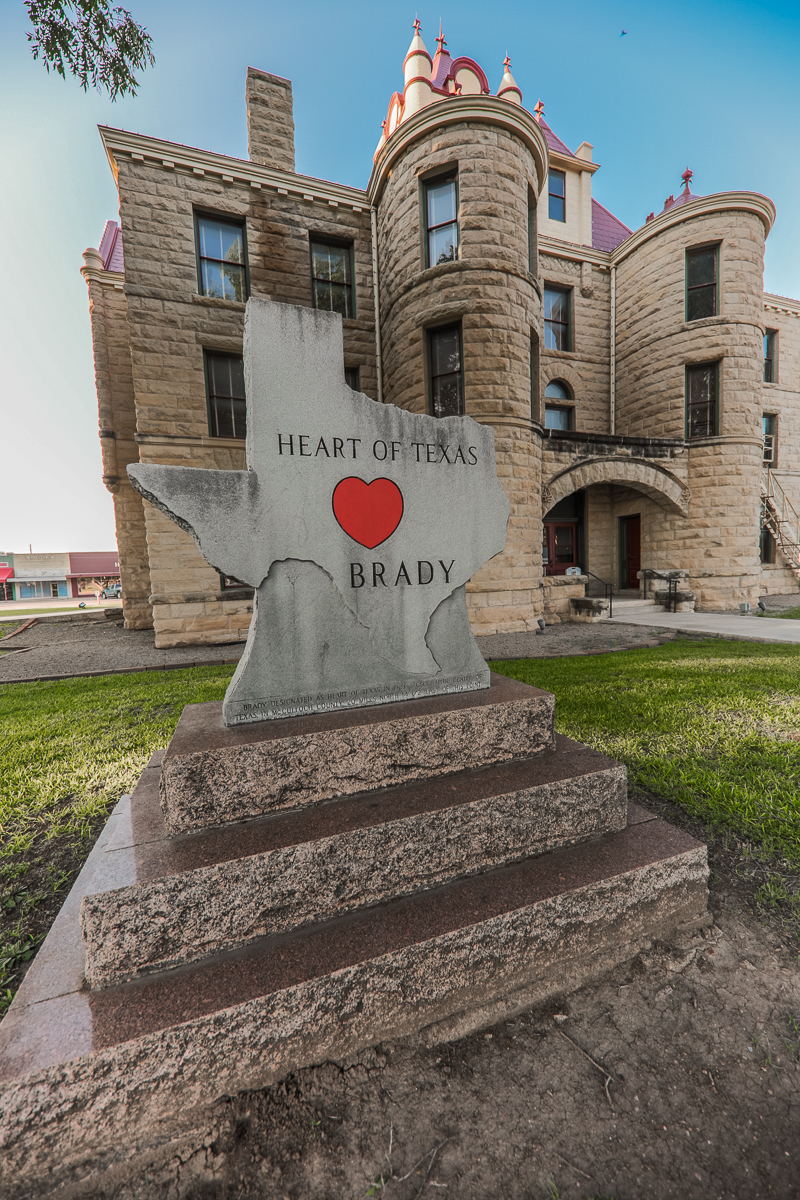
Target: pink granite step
214, 774
130, 1063
180, 899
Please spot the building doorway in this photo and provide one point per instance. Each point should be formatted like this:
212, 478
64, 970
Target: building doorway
562, 535
630, 551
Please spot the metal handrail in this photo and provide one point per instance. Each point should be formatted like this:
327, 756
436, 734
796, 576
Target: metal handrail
780, 517
609, 591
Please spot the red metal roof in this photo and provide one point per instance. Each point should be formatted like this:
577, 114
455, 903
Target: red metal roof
99, 562
111, 247
553, 142
607, 230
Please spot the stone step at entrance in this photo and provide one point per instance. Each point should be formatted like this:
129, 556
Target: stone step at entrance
180, 899
132, 1063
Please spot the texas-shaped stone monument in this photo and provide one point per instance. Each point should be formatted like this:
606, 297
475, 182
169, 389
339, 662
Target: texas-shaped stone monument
357, 523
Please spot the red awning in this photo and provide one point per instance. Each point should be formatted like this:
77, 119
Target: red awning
6, 573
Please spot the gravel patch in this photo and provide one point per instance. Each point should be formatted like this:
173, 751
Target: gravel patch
568, 639
82, 647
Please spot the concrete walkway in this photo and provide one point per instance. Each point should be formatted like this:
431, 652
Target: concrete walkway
724, 625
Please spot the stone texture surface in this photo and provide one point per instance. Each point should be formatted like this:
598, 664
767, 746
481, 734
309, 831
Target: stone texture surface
348, 593
85, 1075
348, 855
213, 774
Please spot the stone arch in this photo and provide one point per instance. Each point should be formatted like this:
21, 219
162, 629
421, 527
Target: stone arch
553, 371
657, 482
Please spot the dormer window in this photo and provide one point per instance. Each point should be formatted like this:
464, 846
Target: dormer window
441, 215
557, 195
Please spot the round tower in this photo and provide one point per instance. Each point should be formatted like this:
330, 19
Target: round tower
455, 185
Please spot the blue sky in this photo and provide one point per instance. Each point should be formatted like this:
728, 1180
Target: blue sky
714, 86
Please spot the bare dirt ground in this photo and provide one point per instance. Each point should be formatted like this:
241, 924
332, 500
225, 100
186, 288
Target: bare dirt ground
675, 1077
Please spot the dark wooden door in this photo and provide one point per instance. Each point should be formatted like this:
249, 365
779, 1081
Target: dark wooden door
631, 530
559, 547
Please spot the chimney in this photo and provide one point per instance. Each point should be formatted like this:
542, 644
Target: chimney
270, 122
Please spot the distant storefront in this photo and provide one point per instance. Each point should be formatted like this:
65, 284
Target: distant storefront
48, 576
40, 576
6, 575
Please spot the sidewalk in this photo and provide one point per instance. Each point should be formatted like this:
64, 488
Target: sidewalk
724, 625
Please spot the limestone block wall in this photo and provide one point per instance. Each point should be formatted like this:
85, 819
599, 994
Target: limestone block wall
781, 399
490, 290
655, 344
557, 591
117, 420
170, 325
586, 367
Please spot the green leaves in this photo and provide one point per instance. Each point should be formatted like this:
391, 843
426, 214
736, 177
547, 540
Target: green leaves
100, 45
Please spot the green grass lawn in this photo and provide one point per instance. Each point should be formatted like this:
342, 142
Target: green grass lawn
790, 614
68, 751
713, 726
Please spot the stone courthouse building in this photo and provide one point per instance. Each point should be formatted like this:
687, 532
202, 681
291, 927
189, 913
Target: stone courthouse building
642, 387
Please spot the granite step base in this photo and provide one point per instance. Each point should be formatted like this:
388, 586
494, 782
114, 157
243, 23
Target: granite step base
213, 774
86, 1075
181, 899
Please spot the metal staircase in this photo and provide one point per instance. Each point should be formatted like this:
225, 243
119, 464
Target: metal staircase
780, 518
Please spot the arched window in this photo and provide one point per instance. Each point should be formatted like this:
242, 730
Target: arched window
557, 413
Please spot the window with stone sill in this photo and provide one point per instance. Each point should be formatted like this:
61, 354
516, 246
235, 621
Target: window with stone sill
770, 340
557, 331
221, 258
769, 425
557, 196
702, 400
701, 282
227, 407
445, 371
332, 276
441, 221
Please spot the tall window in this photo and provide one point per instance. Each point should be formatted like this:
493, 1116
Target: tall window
557, 196
221, 258
769, 423
556, 319
557, 413
532, 247
701, 400
226, 397
769, 356
351, 378
332, 277
447, 385
701, 282
441, 217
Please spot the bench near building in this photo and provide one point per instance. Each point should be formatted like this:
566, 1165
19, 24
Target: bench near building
642, 387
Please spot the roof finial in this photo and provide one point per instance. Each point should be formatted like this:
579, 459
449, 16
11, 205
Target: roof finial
539, 110
686, 176
417, 26
507, 63
440, 40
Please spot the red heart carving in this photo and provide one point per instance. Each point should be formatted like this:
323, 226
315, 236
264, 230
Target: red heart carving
369, 513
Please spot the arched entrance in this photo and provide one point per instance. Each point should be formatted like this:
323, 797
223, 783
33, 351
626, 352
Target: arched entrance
606, 516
